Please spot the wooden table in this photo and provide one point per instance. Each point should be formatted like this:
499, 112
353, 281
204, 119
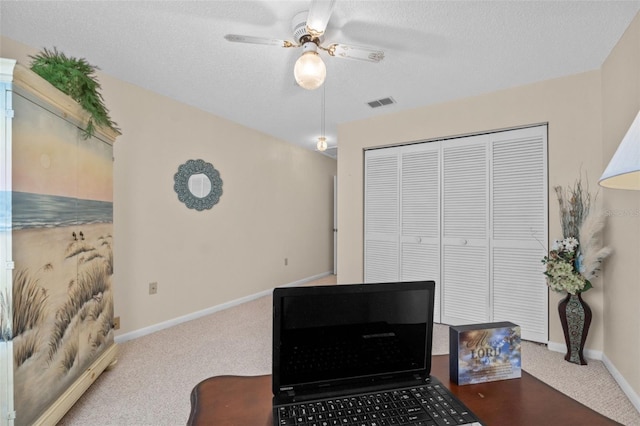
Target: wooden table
246, 401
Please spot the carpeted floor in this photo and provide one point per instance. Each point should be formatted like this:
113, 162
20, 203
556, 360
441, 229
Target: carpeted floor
154, 376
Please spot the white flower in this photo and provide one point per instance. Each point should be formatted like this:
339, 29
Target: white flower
570, 244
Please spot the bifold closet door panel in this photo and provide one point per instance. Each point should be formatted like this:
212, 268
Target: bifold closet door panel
469, 213
381, 222
519, 230
465, 236
420, 216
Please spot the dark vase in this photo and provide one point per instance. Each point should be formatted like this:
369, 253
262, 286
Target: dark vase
575, 316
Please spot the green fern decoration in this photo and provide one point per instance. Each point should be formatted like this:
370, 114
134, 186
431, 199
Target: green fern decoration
76, 78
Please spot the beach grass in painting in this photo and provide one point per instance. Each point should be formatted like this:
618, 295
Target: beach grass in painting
61, 214
59, 329
29, 314
29, 303
5, 320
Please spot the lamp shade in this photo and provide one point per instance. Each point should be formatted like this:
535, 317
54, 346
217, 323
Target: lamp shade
310, 70
623, 171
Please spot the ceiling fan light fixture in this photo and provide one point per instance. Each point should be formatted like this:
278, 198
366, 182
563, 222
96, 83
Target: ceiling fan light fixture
309, 69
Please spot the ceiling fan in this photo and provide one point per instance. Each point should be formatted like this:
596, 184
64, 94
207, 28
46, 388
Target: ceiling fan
308, 31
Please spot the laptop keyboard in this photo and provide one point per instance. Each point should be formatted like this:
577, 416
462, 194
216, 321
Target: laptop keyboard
428, 405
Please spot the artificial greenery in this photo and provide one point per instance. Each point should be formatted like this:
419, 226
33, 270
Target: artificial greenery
76, 78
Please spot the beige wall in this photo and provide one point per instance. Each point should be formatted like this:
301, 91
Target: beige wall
587, 115
277, 203
621, 102
571, 106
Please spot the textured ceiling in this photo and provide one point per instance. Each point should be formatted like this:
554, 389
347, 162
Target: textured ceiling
435, 51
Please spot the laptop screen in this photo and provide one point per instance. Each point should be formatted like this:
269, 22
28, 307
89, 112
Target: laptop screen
340, 334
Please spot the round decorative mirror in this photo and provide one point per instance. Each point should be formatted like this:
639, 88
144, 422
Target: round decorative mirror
198, 184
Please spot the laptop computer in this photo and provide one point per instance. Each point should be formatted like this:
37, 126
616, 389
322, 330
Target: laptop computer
360, 355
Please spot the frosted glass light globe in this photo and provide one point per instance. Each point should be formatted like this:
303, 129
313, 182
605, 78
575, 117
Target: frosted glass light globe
322, 144
310, 70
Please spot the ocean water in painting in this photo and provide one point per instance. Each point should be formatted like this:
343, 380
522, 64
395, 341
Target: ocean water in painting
50, 211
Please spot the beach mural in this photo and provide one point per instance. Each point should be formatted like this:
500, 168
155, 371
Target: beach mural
62, 239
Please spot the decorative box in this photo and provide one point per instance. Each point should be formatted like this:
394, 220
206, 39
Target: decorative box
486, 352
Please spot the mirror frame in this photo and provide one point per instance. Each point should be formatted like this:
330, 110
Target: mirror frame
181, 184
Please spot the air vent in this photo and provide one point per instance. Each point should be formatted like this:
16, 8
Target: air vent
381, 102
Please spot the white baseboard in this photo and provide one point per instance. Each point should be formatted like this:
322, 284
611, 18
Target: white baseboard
598, 355
624, 385
198, 314
562, 347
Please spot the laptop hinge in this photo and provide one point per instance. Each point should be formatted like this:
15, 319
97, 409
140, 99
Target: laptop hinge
332, 392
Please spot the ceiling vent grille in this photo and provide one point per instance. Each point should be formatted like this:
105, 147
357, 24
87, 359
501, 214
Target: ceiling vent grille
381, 102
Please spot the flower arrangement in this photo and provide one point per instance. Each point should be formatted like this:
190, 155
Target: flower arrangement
562, 267
576, 259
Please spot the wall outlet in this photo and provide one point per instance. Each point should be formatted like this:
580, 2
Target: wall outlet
153, 288
116, 323
286, 261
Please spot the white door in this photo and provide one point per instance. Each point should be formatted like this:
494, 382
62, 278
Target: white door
381, 199
420, 216
469, 213
519, 230
335, 225
465, 242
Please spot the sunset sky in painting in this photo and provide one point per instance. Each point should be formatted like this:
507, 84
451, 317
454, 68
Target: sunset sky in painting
52, 158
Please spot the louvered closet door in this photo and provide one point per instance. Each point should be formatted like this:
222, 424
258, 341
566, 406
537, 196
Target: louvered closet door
465, 263
381, 222
420, 215
519, 230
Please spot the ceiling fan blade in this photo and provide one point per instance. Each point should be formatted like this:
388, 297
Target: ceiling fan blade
259, 40
355, 52
319, 15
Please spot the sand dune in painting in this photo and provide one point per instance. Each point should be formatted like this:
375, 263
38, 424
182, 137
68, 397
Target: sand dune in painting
58, 330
